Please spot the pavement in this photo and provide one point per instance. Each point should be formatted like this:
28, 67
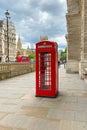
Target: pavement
21, 110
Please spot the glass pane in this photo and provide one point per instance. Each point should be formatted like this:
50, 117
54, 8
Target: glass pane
45, 71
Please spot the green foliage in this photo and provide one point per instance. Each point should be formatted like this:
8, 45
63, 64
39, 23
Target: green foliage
63, 55
31, 55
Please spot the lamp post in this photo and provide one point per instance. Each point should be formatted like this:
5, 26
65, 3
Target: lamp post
7, 14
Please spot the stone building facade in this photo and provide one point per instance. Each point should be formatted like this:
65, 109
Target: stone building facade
76, 18
3, 41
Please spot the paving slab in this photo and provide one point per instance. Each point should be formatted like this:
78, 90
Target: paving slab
21, 110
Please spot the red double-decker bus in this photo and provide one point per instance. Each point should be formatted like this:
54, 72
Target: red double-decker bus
20, 58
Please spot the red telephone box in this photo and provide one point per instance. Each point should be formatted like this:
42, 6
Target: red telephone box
46, 69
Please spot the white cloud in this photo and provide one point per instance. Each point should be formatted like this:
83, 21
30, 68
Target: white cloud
59, 39
62, 1
33, 18
26, 45
43, 17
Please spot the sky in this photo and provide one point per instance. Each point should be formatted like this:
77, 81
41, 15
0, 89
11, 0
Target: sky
35, 18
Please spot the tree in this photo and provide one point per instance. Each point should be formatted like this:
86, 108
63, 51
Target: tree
63, 55
31, 56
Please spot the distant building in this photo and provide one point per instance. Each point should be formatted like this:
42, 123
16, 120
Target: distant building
22, 51
3, 41
42, 38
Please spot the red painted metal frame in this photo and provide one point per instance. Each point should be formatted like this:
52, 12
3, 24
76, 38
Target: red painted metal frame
47, 69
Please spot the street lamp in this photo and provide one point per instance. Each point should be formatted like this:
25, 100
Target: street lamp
7, 14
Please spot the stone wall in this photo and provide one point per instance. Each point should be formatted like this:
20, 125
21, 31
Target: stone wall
77, 36
74, 36
72, 66
73, 6
83, 62
73, 18
8, 70
84, 29
82, 67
